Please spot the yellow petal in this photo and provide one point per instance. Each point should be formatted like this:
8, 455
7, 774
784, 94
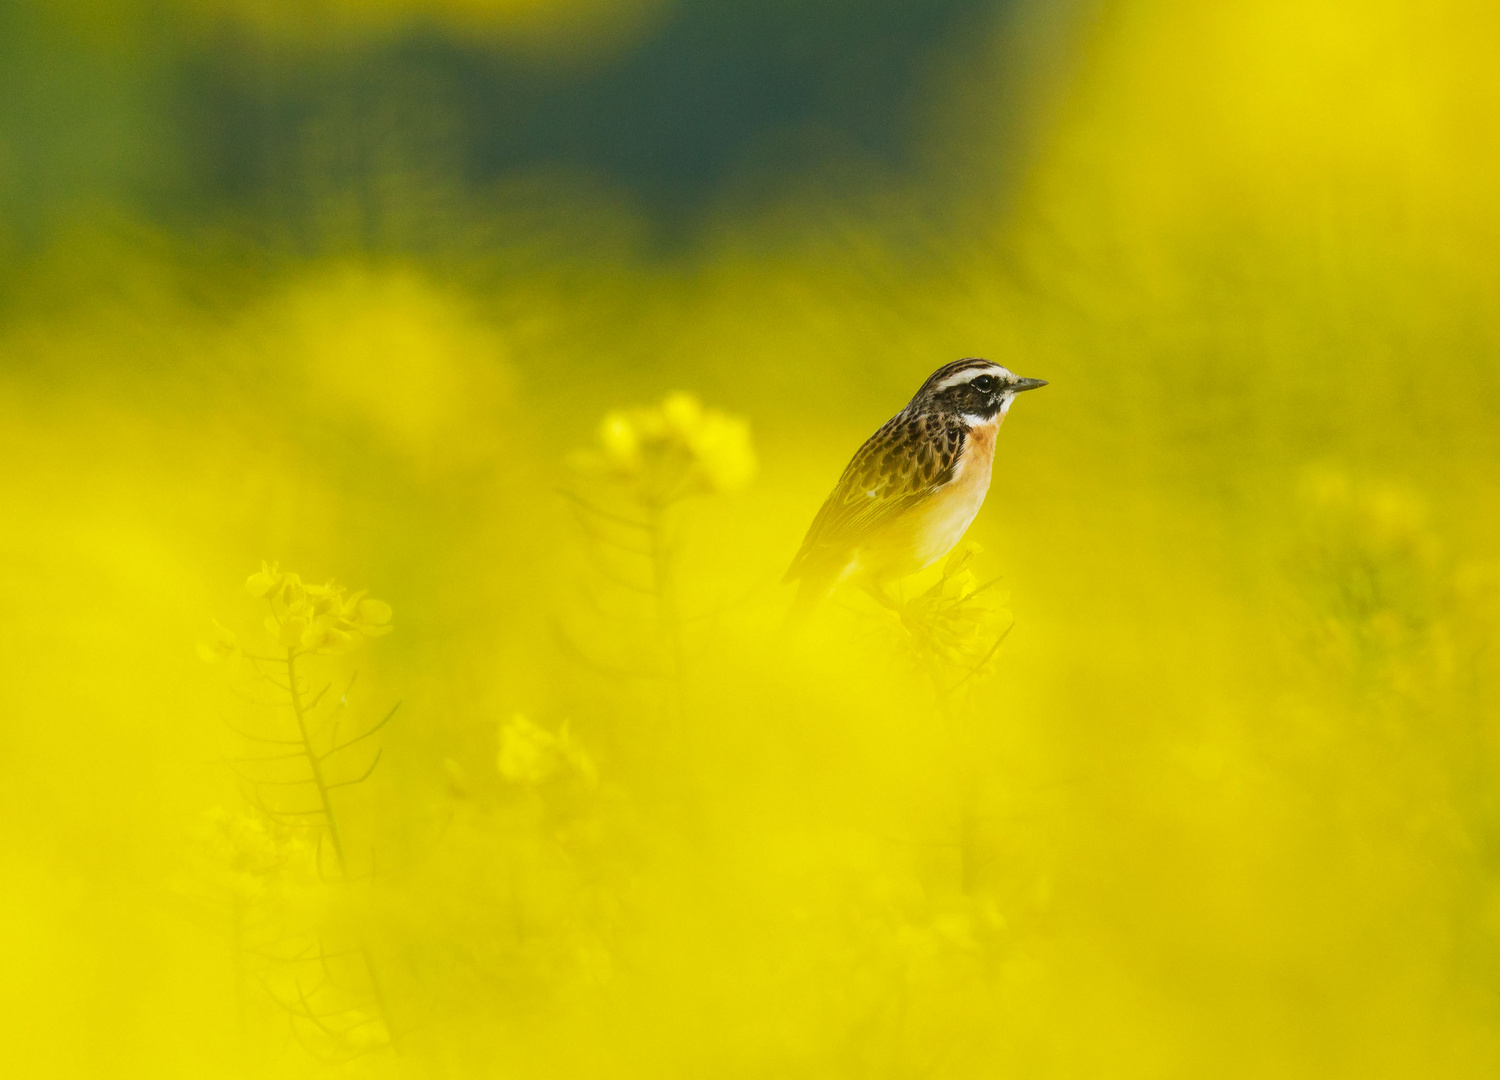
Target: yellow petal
292, 631
683, 413
338, 641
528, 753
222, 645
265, 582
620, 440
374, 611
722, 448
324, 598
650, 425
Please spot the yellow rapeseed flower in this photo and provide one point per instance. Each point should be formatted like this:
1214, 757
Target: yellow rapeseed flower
957, 620
721, 447
530, 754
266, 582
526, 755
682, 413
620, 441
676, 449
221, 646
317, 618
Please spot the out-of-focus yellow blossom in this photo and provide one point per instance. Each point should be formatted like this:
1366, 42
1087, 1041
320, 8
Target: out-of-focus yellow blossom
244, 845
1379, 519
530, 754
1381, 591
316, 618
682, 413
221, 646
249, 859
266, 581
721, 446
621, 443
677, 449
958, 621
525, 751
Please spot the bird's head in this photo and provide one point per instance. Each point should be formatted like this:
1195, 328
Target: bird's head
978, 390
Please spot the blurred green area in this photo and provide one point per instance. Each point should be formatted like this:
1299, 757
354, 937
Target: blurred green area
349, 286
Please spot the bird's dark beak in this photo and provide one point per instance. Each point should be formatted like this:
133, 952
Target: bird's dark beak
1026, 384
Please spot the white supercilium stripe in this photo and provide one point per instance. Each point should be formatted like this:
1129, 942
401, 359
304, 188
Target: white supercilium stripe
970, 374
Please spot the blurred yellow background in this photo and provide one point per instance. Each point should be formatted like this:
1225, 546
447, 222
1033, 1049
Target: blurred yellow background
353, 287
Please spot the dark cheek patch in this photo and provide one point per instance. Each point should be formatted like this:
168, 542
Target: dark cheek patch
969, 400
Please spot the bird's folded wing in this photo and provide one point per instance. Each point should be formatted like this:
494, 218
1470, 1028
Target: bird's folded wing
897, 467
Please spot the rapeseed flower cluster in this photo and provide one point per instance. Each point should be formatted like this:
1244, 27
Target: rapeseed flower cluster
282, 861
530, 754
222, 646
316, 618
252, 859
676, 449
957, 622
1374, 573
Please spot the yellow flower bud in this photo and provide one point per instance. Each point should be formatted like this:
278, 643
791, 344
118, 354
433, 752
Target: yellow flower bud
294, 593
673, 450
264, 583
621, 441
721, 447
650, 425
528, 753
683, 414
322, 599
223, 645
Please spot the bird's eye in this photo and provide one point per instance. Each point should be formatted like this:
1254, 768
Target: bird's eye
985, 384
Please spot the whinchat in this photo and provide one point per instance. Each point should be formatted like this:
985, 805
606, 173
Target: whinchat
912, 490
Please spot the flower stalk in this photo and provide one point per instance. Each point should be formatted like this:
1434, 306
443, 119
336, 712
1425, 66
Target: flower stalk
646, 462
304, 622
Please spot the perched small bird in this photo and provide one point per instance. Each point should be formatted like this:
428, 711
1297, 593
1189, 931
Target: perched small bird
912, 489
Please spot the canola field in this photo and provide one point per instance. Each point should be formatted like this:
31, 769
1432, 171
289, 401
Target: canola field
394, 679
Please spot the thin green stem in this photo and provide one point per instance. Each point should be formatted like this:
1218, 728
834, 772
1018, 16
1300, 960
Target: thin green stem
314, 760
666, 601
661, 583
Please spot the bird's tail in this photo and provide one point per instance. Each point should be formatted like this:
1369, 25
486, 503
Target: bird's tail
811, 589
